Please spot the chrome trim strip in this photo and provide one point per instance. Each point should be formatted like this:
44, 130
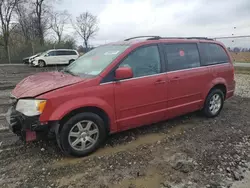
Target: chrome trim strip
143, 77
134, 78
166, 73
198, 67
106, 83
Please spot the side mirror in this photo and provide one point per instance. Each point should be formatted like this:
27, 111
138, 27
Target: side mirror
123, 73
46, 55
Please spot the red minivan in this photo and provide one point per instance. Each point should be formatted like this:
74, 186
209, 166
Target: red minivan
120, 86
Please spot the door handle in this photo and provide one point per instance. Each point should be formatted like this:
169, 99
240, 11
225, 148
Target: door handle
160, 82
175, 78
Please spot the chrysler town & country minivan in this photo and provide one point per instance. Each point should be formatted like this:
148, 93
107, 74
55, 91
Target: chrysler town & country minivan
122, 85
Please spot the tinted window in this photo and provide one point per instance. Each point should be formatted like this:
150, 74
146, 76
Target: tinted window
61, 52
143, 61
182, 56
213, 54
52, 53
71, 53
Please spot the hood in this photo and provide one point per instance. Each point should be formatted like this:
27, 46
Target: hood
37, 55
33, 56
40, 83
26, 58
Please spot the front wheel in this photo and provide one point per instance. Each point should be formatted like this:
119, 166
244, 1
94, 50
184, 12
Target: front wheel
214, 103
41, 63
82, 134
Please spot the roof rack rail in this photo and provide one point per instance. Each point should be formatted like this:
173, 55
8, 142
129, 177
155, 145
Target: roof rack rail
198, 38
158, 38
142, 37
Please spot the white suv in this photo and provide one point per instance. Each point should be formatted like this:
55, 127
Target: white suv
57, 56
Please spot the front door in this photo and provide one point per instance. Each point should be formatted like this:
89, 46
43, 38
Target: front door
142, 99
186, 79
61, 57
50, 59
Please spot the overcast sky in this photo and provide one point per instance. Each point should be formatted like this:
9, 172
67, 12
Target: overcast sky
119, 19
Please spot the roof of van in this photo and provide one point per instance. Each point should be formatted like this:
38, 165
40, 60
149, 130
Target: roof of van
61, 49
157, 39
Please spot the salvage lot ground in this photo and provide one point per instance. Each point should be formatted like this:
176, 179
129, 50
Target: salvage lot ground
189, 151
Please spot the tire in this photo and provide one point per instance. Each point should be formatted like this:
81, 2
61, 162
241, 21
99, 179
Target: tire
212, 109
41, 63
71, 61
73, 145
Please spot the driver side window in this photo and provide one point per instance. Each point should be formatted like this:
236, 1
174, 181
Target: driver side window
52, 53
143, 61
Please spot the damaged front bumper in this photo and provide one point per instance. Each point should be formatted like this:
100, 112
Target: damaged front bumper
25, 126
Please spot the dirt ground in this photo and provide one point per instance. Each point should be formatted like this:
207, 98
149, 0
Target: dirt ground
187, 152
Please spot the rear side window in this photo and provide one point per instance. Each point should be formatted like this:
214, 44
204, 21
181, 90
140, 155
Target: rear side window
71, 53
143, 61
66, 52
182, 56
213, 54
61, 52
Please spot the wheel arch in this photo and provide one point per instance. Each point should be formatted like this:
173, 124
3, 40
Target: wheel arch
220, 86
42, 60
93, 109
219, 83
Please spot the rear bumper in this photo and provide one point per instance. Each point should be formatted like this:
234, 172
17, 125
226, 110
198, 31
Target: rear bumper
19, 123
230, 92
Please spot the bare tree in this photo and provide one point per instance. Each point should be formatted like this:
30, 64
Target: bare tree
58, 21
26, 21
6, 11
39, 12
42, 15
86, 26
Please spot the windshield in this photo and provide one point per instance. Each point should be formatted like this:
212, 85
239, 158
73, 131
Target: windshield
43, 53
96, 60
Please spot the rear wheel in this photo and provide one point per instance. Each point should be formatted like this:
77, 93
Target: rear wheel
82, 134
214, 103
41, 63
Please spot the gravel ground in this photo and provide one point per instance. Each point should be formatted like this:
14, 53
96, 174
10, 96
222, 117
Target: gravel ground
187, 152
243, 85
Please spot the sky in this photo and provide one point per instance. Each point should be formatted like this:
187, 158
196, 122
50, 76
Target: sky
120, 19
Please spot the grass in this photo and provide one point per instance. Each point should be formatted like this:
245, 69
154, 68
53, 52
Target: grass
242, 70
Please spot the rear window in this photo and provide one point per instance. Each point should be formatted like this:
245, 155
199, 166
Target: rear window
65, 52
61, 52
182, 56
213, 54
71, 53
